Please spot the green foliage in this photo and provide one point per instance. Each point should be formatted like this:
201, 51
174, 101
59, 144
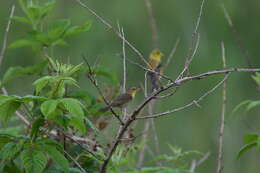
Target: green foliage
14, 72
251, 140
8, 106
35, 12
57, 108
125, 159
57, 157
48, 108
34, 161
256, 77
10, 150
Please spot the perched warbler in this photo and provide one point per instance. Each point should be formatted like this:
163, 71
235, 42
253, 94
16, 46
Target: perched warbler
155, 65
122, 99
155, 59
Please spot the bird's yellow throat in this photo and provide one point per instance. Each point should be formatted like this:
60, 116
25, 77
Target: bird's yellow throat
133, 93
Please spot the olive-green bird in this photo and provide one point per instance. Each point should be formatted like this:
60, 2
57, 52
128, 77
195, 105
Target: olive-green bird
122, 99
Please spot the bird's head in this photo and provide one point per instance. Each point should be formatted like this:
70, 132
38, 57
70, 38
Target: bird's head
132, 91
156, 55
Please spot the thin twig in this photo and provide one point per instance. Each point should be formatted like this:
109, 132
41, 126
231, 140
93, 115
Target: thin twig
2, 53
155, 137
149, 70
196, 163
72, 138
194, 43
124, 71
194, 102
190, 58
167, 95
237, 37
94, 82
76, 162
110, 27
146, 128
173, 51
152, 22
220, 165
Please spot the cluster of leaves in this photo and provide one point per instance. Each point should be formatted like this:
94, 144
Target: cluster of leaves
178, 161
251, 140
54, 105
35, 13
58, 106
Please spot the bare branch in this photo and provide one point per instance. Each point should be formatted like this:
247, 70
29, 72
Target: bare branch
138, 109
144, 139
194, 43
196, 163
75, 161
124, 71
194, 102
173, 51
152, 22
2, 53
220, 165
237, 37
190, 58
167, 95
109, 26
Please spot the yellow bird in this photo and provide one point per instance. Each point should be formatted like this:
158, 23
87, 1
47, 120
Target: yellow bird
155, 64
155, 59
122, 99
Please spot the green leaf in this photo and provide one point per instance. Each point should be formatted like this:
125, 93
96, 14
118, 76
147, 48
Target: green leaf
46, 8
59, 42
11, 168
33, 160
17, 71
91, 125
48, 107
40, 38
21, 19
73, 106
252, 105
246, 148
57, 157
21, 43
4, 139
41, 83
77, 122
34, 13
8, 106
107, 74
240, 105
74, 30
36, 127
256, 77
58, 29
23, 5
258, 143
88, 98
28, 98
9, 150
249, 138
50, 142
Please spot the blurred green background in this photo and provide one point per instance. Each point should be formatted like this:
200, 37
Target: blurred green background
192, 129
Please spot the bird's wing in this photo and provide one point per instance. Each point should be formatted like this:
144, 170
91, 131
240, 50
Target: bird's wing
121, 100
